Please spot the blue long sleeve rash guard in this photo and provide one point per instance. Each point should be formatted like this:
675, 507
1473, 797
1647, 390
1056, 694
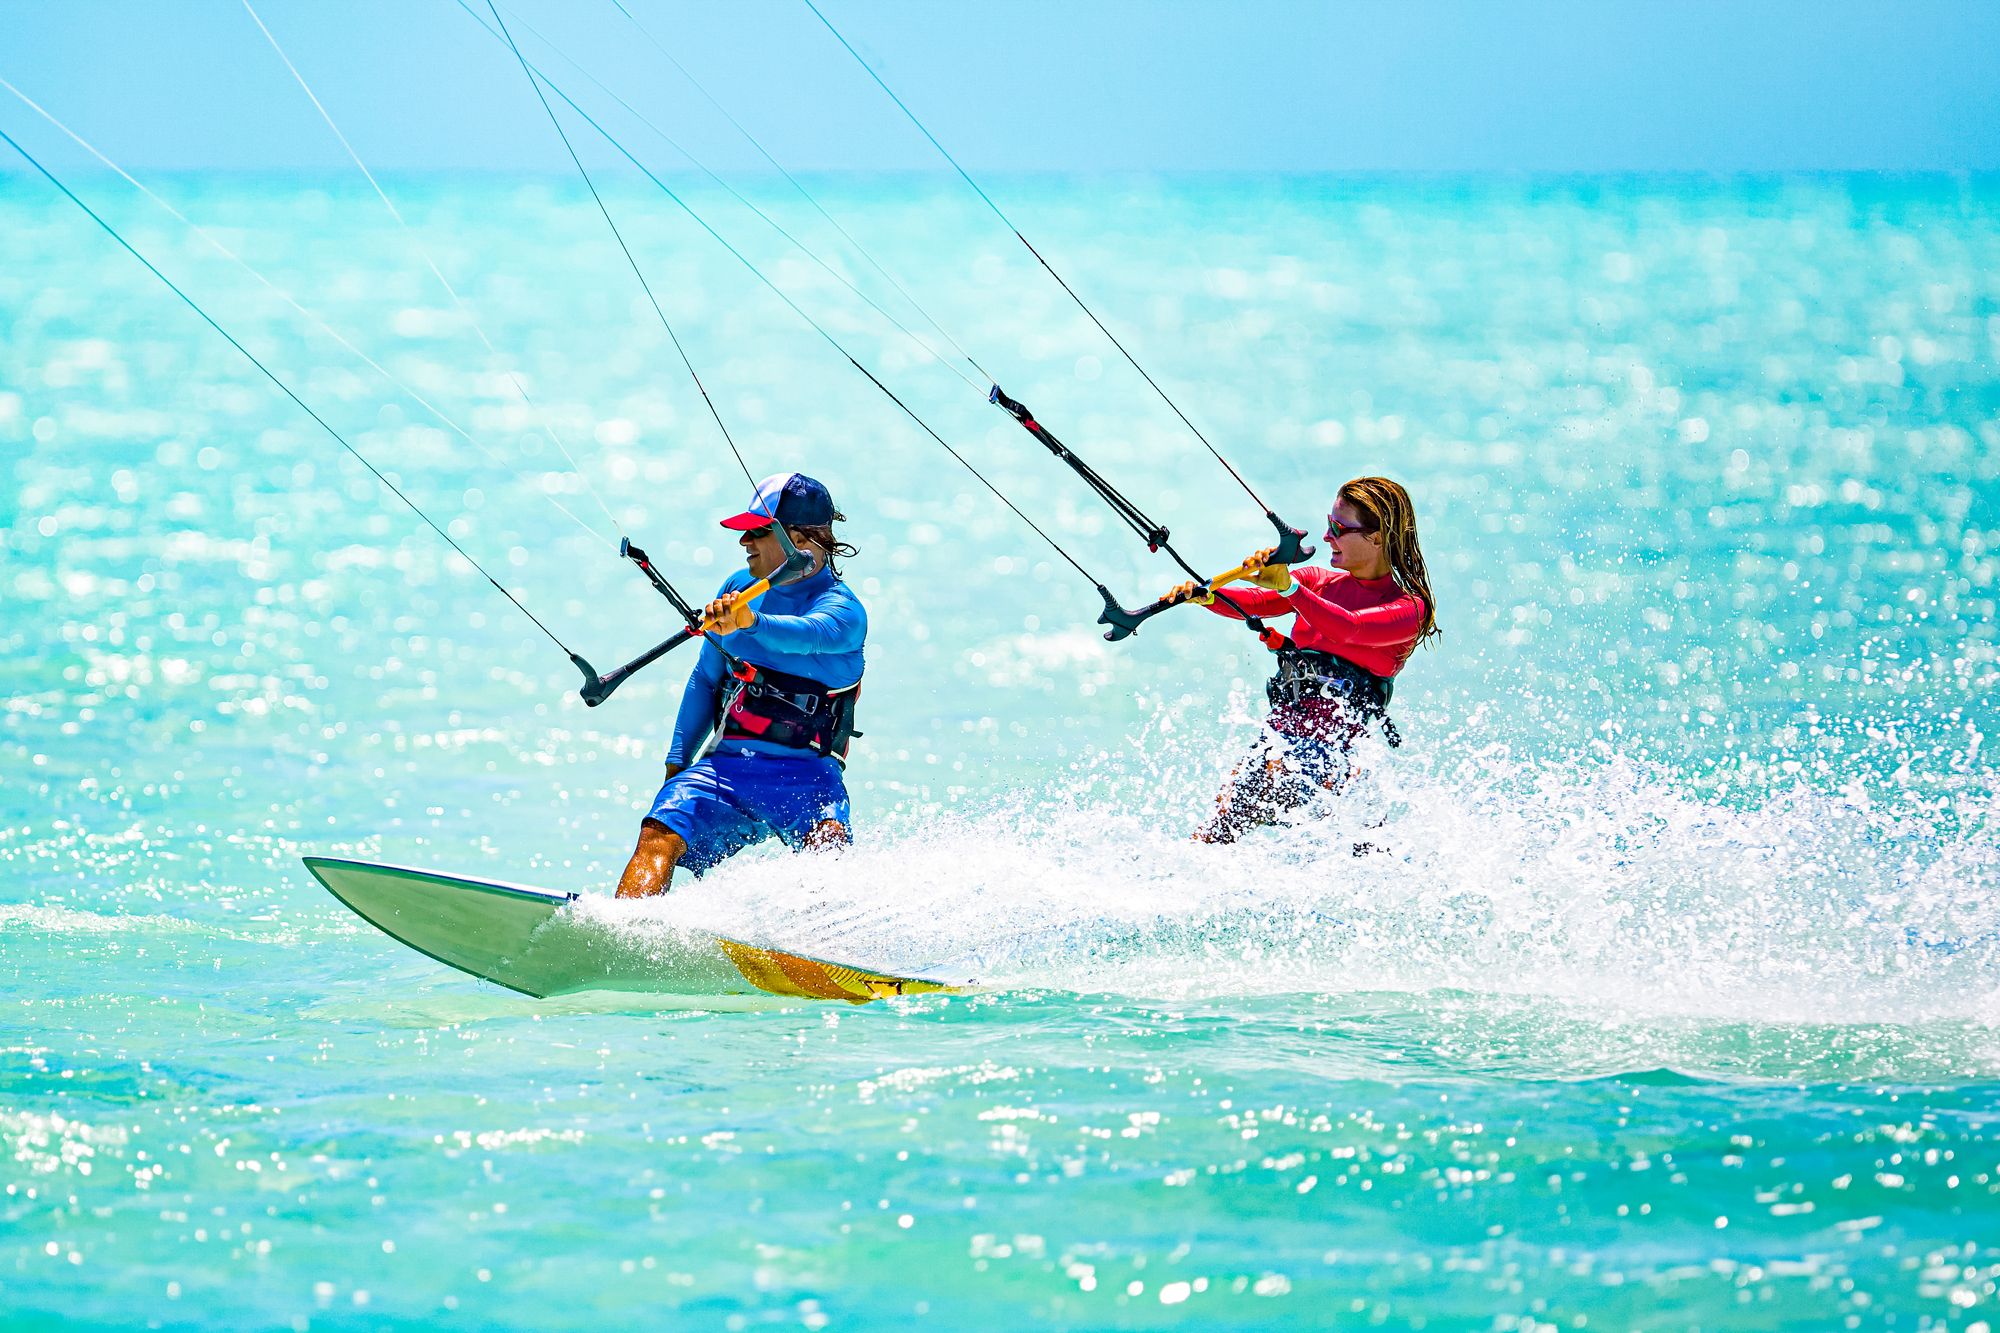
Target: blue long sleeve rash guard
813, 628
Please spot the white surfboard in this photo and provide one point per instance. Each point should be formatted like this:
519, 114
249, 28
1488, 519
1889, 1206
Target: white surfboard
529, 940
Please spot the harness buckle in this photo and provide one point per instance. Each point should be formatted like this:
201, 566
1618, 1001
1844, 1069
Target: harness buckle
744, 671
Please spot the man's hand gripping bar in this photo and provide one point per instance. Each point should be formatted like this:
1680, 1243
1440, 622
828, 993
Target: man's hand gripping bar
596, 689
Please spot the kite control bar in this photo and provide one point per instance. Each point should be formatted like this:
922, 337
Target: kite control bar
628, 551
1290, 550
1153, 534
596, 689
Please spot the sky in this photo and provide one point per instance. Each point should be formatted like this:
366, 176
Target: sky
1031, 85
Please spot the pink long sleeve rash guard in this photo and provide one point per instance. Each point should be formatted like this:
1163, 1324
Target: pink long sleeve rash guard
1372, 623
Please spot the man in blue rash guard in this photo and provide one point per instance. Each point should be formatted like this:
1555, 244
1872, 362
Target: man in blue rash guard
775, 684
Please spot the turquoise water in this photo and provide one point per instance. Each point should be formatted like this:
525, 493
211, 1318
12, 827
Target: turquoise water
1670, 1004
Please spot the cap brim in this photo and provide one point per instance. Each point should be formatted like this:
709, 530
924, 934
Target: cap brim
748, 522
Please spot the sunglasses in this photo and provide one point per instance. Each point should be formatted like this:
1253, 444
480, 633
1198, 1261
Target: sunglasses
758, 534
1335, 529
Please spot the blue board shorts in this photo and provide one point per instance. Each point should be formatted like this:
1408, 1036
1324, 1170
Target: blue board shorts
727, 802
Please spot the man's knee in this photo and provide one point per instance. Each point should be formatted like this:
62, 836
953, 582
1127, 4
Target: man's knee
657, 839
660, 849
826, 835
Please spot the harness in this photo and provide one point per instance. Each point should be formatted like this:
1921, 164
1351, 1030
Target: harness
1306, 674
784, 709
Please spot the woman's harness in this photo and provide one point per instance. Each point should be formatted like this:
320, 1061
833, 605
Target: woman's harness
1307, 674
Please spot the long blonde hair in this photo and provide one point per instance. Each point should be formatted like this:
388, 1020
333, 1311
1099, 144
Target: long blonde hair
1386, 510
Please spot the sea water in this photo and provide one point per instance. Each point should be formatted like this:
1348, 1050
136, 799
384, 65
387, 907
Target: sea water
1666, 998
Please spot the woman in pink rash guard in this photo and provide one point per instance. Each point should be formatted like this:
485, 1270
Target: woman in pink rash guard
1356, 625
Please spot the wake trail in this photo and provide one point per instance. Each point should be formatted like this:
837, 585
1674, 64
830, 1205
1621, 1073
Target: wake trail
1600, 883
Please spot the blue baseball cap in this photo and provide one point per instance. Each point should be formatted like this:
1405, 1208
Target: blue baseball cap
791, 498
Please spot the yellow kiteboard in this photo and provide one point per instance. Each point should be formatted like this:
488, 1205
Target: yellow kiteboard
533, 941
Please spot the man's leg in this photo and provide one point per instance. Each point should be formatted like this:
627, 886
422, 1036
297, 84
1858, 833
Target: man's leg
660, 849
825, 836
804, 801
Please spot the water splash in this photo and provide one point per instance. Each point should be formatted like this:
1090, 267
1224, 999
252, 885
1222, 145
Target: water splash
1593, 879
